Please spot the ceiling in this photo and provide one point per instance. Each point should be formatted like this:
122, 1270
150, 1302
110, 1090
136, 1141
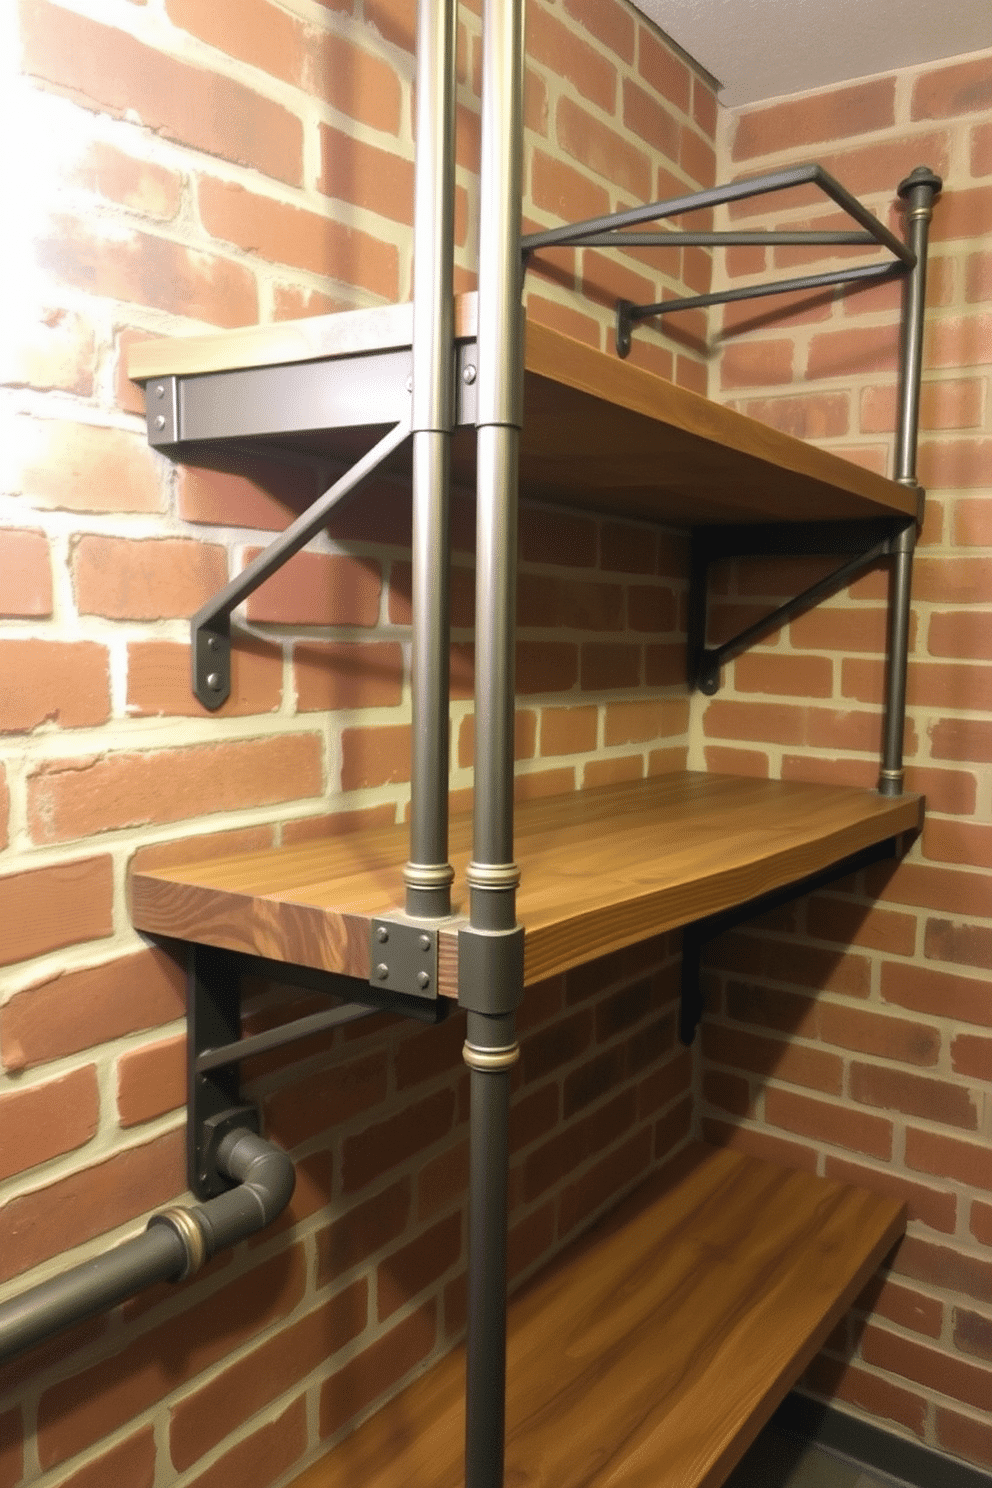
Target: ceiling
759, 49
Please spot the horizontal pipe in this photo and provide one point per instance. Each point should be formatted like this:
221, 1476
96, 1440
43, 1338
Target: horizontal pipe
277, 1038
760, 291
674, 238
174, 1245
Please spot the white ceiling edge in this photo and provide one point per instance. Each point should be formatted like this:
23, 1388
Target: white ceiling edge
762, 49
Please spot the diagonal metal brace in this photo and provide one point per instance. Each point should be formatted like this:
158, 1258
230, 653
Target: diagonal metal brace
870, 541
211, 625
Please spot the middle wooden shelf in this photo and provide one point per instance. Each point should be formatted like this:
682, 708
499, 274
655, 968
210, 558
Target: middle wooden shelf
601, 869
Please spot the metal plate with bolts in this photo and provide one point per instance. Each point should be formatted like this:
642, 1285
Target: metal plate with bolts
403, 957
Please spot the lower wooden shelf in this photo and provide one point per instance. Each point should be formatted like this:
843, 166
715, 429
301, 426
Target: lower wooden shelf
653, 1350
601, 869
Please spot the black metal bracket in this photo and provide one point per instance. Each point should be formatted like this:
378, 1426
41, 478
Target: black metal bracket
867, 542
216, 1048
403, 956
696, 935
612, 231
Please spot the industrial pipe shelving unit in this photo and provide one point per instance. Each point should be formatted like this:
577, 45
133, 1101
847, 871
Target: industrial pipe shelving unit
454, 384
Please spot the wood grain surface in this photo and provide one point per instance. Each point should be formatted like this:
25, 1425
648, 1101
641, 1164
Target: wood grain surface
601, 869
599, 433
652, 1352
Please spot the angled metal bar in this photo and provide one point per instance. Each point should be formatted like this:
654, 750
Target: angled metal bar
711, 659
696, 935
675, 238
277, 1038
211, 625
629, 314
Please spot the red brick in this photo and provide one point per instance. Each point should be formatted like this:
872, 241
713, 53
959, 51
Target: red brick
971, 1055
832, 918
943, 1268
413, 1267
335, 823
608, 21
546, 666
362, 1231
11, 1448
737, 762
393, 20
949, 1157
958, 341
814, 416
781, 723
769, 1007
151, 1081
90, 1405
44, 909
158, 679
81, 467
955, 403
704, 106
62, 682
260, 34
202, 1420
643, 721
563, 538
697, 158
960, 88
838, 1125
913, 1095
105, 69
564, 318
937, 992
373, 1372
608, 665
568, 730
338, 674
973, 1333
962, 739
651, 609
972, 523
78, 797
981, 1222
627, 547
851, 352
76, 1010
930, 1367
55, 351
34, 1226
376, 180
837, 113
933, 1207
958, 842
47, 1120
665, 665
567, 56
903, 1306
564, 192
318, 589
959, 634
964, 1436
265, 1456
570, 1148
124, 579
375, 756
141, 185
872, 1033
387, 1144
245, 492
784, 676
961, 463
761, 1144
321, 1101
836, 1380
665, 72
757, 363
131, 1462
797, 1064
25, 574
978, 278
285, 234
647, 117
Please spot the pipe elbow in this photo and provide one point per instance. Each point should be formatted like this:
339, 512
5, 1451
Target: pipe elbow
261, 1168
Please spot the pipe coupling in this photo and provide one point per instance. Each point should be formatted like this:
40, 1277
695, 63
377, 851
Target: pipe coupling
183, 1222
490, 1060
500, 876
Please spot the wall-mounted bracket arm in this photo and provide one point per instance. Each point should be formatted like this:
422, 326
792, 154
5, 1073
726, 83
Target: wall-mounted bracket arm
867, 541
211, 625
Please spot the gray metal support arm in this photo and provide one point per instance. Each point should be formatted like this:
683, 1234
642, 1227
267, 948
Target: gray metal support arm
174, 1246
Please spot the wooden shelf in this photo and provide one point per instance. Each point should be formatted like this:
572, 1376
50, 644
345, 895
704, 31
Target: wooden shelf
601, 869
653, 1351
599, 433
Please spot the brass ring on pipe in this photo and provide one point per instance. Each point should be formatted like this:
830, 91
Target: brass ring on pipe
891, 774
185, 1224
492, 875
428, 875
490, 1060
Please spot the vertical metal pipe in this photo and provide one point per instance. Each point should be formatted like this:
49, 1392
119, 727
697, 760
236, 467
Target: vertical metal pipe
919, 190
428, 874
491, 1048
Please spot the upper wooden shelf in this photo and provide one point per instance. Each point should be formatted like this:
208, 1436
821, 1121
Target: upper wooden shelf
599, 433
650, 1353
601, 869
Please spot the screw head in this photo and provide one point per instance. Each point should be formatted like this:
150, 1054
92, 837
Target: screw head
382, 971
469, 375
212, 643
160, 421
425, 942
423, 980
382, 935
214, 681
160, 390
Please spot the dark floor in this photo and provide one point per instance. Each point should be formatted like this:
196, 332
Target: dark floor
780, 1461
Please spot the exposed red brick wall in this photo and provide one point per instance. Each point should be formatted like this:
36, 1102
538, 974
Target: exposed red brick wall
851, 1032
205, 163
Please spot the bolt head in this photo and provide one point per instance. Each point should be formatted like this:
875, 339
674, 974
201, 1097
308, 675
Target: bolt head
160, 390
382, 971
425, 942
423, 980
212, 643
214, 681
382, 935
160, 421
469, 375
